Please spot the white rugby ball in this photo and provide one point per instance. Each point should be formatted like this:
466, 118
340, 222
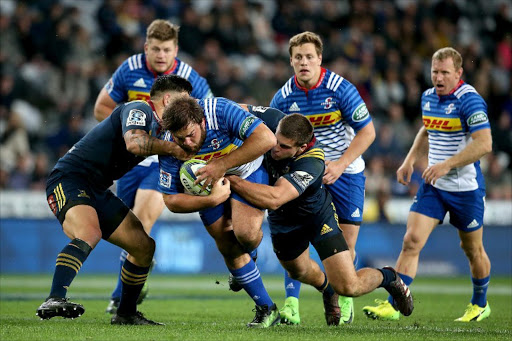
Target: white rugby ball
187, 177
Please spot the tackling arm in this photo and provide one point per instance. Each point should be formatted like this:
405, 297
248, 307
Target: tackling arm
103, 106
186, 203
139, 142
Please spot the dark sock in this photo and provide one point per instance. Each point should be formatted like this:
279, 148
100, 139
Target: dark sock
69, 261
326, 288
389, 276
133, 278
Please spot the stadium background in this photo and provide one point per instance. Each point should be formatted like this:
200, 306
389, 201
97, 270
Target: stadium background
56, 55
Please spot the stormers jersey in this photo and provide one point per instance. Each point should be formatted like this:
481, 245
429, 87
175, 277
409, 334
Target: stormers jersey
305, 173
227, 126
134, 78
335, 109
101, 155
450, 120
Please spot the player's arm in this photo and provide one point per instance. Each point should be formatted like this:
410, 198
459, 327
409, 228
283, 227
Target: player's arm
363, 139
139, 142
263, 196
418, 150
186, 203
474, 151
103, 106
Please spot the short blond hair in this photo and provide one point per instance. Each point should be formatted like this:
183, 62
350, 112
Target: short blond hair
162, 30
304, 38
449, 52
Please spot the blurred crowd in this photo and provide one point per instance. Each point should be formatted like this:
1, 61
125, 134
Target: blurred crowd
56, 55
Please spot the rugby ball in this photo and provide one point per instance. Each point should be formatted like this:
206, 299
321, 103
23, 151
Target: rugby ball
187, 177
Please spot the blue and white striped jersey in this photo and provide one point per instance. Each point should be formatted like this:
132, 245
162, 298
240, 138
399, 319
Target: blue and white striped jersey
335, 109
227, 126
134, 78
450, 120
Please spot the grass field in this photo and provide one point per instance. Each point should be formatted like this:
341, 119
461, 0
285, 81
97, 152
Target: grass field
202, 308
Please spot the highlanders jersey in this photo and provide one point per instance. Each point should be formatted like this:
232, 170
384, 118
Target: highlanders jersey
227, 125
134, 78
450, 120
335, 109
101, 155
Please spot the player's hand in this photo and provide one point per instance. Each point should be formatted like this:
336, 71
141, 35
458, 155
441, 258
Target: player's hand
434, 172
221, 191
211, 173
333, 170
404, 173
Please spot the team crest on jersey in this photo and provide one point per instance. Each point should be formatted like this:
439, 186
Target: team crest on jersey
136, 117
477, 118
361, 113
448, 110
110, 85
328, 103
165, 179
302, 178
215, 144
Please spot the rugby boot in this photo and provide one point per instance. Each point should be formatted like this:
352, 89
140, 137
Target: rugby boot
475, 313
383, 311
332, 309
290, 311
265, 317
135, 319
402, 298
59, 307
347, 309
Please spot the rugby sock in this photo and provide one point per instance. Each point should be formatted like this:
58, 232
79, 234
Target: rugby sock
133, 278
254, 254
406, 279
480, 291
69, 261
326, 288
291, 286
249, 278
116, 294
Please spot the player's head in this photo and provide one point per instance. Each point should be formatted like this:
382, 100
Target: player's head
446, 70
161, 46
184, 118
293, 134
306, 57
168, 87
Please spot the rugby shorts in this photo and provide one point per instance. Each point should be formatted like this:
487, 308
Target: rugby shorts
139, 177
348, 197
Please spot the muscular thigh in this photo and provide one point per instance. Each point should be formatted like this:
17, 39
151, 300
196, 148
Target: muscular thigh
246, 218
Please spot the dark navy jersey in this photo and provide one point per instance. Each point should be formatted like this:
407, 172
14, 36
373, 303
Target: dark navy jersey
101, 155
305, 173
270, 116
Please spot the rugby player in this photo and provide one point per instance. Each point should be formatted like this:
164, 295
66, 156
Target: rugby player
344, 129
456, 133
301, 211
132, 80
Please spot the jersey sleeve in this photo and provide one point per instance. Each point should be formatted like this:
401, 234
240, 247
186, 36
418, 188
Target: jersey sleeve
270, 116
306, 169
116, 86
200, 88
277, 101
352, 106
474, 112
230, 116
136, 115
169, 179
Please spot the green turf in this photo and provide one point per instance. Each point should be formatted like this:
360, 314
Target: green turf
202, 308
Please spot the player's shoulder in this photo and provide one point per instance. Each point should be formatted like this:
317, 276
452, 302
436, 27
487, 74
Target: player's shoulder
429, 92
312, 154
137, 104
334, 82
184, 70
137, 62
285, 90
466, 92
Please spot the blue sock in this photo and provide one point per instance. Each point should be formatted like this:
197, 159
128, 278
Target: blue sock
116, 294
407, 280
254, 254
69, 261
480, 291
356, 260
249, 277
291, 286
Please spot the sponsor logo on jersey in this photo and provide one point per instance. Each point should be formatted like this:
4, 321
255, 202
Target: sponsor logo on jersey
426, 107
442, 124
294, 107
259, 109
448, 110
215, 144
165, 179
328, 103
137, 95
140, 83
302, 178
325, 119
356, 213
325, 229
474, 223
361, 113
136, 117
110, 85
477, 118
217, 154
246, 124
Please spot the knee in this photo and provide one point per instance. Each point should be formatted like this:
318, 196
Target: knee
298, 273
472, 250
411, 243
145, 251
249, 238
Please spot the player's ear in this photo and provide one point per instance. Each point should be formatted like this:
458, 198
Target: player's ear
291, 61
320, 58
146, 47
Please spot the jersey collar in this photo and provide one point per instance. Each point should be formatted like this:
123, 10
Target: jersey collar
459, 84
156, 74
152, 105
320, 80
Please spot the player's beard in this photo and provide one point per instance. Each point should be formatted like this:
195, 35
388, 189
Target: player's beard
194, 150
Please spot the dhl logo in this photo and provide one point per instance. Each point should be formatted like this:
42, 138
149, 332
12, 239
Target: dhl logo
442, 124
137, 95
219, 153
325, 119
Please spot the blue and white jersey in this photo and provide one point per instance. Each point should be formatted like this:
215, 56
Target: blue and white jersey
450, 120
134, 78
227, 126
335, 109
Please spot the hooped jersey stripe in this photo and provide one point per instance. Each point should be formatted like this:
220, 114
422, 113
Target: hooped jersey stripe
315, 152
